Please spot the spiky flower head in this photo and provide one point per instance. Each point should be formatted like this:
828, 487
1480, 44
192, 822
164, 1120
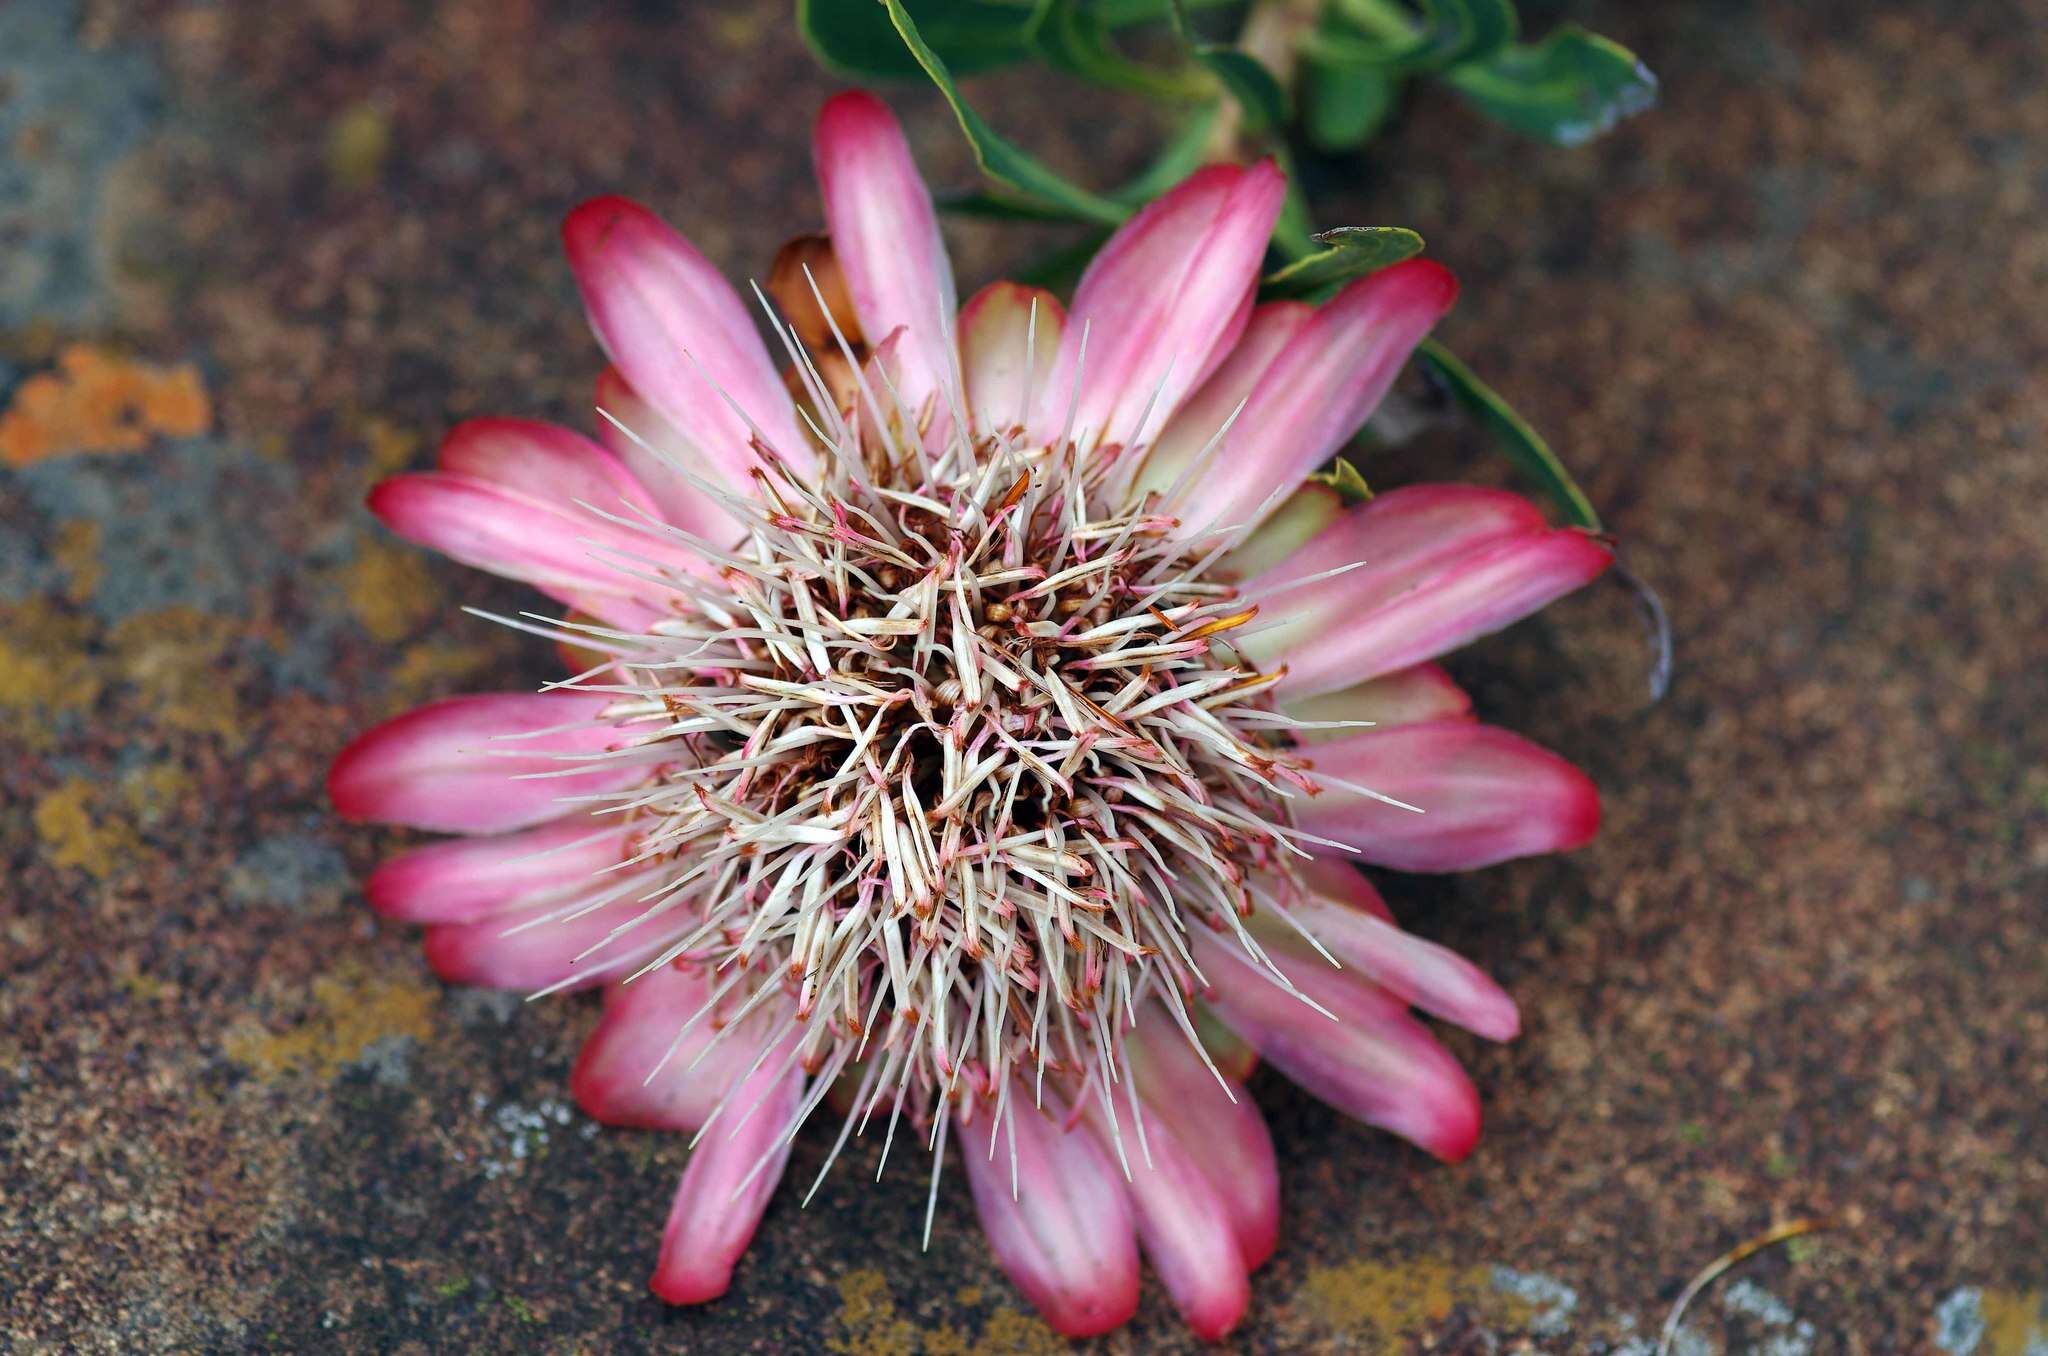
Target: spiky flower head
969, 719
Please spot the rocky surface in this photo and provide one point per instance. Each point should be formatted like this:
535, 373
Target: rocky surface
1789, 327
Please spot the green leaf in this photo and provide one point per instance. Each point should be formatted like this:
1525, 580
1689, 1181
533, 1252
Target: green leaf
1342, 106
1258, 92
1523, 445
1343, 477
1001, 161
1464, 30
1059, 270
1388, 35
1184, 153
1569, 88
985, 205
856, 38
1349, 252
1348, 49
1074, 39
1125, 13
1256, 89
1292, 232
1354, 63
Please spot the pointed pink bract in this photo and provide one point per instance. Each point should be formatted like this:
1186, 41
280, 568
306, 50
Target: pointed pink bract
680, 335
463, 880
1321, 389
1373, 1061
885, 235
1066, 1237
656, 1022
463, 765
1484, 796
1161, 304
1438, 566
713, 1217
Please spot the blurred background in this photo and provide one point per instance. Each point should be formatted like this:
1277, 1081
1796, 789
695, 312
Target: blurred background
1788, 328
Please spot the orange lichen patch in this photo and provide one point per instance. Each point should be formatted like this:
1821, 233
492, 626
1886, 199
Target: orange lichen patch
350, 1012
97, 401
75, 834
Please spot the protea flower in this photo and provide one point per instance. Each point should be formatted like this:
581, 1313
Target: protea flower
977, 725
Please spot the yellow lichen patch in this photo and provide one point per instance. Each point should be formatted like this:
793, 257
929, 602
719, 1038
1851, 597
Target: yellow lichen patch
350, 1012
76, 548
434, 668
2015, 1323
175, 658
1008, 1332
142, 987
392, 448
738, 31
1395, 1302
154, 790
96, 401
870, 1326
44, 668
357, 143
389, 590
868, 1314
76, 833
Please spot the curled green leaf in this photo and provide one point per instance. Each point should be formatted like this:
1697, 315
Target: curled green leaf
999, 159
1348, 252
1569, 88
1072, 36
1124, 13
1342, 106
1344, 478
1257, 90
1523, 445
1388, 35
1466, 30
855, 37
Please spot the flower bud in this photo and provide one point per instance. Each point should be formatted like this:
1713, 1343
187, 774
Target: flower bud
804, 260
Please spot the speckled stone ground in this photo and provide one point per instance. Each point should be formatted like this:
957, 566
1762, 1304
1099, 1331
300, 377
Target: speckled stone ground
1790, 327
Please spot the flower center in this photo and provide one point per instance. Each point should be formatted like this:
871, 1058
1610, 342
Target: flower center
953, 755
